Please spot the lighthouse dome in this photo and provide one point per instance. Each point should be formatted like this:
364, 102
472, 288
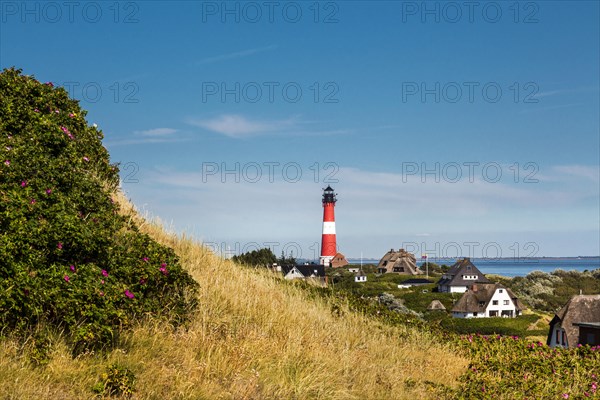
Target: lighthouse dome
329, 195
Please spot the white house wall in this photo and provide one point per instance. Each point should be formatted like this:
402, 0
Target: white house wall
558, 331
468, 315
501, 297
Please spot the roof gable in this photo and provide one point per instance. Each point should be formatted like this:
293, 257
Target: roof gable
306, 270
456, 273
400, 261
436, 305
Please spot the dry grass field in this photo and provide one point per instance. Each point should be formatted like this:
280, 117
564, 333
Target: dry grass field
254, 336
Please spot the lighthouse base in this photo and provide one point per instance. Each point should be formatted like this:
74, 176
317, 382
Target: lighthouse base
326, 260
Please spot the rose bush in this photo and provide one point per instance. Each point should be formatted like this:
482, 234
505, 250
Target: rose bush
68, 259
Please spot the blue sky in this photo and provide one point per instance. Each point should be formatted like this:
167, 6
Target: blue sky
230, 117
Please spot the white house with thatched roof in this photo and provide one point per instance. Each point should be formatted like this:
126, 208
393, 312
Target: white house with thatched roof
487, 300
399, 262
577, 322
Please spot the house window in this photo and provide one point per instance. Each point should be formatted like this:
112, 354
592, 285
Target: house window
500, 290
474, 314
495, 302
564, 342
493, 313
590, 339
505, 302
558, 336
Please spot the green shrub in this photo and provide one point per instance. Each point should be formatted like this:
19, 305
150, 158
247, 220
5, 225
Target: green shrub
508, 367
550, 291
116, 381
493, 326
68, 259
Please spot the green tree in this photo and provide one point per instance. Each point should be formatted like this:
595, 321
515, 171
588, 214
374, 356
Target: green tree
283, 260
257, 258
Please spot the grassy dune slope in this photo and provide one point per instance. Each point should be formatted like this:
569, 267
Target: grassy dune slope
253, 337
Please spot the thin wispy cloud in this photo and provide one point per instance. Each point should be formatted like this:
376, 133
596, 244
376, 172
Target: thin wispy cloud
143, 140
426, 210
235, 55
148, 136
580, 171
548, 93
557, 107
238, 126
555, 92
156, 132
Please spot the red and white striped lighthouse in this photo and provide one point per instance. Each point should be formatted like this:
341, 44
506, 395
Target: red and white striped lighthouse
328, 243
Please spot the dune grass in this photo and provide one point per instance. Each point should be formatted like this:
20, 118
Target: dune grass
254, 336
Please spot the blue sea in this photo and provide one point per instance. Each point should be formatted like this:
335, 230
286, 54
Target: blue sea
517, 266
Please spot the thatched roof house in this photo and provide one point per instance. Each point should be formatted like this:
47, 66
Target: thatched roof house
400, 262
578, 322
487, 300
436, 305
460, 277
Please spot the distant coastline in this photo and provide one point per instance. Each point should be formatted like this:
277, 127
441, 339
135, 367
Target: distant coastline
511, 267
435, 260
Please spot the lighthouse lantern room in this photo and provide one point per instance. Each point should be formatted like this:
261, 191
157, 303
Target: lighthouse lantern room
328, 240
